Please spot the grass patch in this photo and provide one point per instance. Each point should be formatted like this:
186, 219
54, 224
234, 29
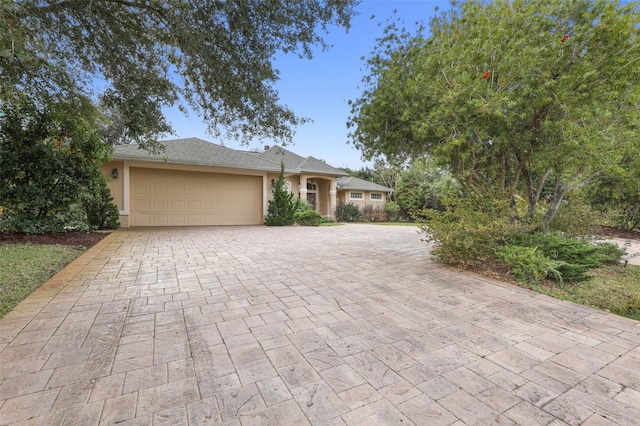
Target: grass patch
24, 267
613, 288
331, 224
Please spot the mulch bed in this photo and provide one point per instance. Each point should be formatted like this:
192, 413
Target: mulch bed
610, 231
72, 238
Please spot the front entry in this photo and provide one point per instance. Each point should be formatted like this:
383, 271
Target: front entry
312, 199
312, 195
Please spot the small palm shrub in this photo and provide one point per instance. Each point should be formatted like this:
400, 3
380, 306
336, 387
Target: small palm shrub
348, 212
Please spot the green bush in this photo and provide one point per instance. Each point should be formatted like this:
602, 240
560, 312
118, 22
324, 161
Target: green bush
470, 230
575, 217
50, 155
100, 210
576, 256
373, 214
392, 209
308, 218
528, 265
283, 206
348, 212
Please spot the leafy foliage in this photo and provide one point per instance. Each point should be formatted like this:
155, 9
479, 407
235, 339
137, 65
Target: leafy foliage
308, 217
508, 96
372, 213
392, 209
574, 257
49, 159
423, 186
470, 229
528, 265
348, 212
576, 217
101, 212
283, 205
618, 191
213, 56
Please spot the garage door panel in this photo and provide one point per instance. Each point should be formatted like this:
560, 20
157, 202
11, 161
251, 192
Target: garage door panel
178, 191
194, 191
159, 204
173, 198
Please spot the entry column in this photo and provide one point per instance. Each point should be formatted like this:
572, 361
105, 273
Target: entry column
333, 185
303, 188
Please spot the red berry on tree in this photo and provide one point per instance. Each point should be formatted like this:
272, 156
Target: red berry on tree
565, 38
486, 75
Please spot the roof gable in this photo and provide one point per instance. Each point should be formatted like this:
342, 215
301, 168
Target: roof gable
349, 182
296, 163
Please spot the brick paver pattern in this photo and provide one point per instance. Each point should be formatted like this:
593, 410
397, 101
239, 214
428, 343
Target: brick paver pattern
345, 325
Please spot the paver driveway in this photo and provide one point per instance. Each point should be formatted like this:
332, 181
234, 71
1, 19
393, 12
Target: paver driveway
332, 325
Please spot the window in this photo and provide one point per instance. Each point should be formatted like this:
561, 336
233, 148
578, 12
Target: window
356, 196
375, 196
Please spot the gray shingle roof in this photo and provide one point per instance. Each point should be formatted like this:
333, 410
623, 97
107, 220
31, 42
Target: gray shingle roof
360, 185
295, 163
199, 152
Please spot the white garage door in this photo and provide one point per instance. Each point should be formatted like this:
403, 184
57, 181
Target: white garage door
174, 198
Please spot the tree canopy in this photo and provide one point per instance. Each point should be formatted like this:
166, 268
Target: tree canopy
508, 95
139, 56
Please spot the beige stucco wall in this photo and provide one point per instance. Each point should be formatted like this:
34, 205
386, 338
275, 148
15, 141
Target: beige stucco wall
344, 197
292, 179
115, 185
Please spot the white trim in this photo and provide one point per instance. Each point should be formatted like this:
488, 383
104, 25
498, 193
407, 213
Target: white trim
265, 195
126, 182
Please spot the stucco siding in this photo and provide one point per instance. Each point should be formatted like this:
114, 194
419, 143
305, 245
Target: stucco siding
115, 185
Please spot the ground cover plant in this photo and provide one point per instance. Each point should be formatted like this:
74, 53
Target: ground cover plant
24, 267
612, 288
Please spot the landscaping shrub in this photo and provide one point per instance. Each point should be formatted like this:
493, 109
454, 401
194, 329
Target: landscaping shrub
392, 209
373, 214
576, 256
100, 210
470, 229
528, 265
308, 218
575, 217
283, 206
347, 212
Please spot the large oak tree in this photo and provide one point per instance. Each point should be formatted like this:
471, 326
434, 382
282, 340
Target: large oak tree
142, 55
512, 96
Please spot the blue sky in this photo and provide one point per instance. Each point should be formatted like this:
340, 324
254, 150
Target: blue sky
321, 87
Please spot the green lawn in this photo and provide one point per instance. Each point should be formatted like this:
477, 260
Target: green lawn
24, 267
613, 288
